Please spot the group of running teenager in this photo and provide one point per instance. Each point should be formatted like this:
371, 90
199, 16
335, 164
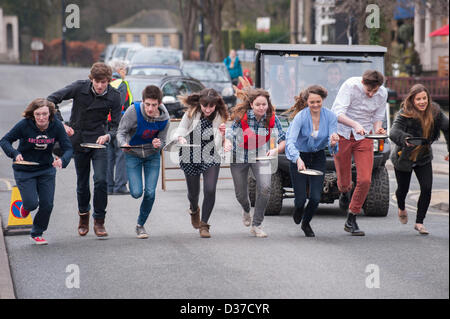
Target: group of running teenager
202, 141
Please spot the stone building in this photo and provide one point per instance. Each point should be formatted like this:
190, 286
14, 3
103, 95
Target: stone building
9, 38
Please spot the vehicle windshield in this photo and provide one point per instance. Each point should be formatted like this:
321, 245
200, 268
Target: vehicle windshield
207, 72
120, 53
137, 87
154, 71
180, 87
285, 76
157, 57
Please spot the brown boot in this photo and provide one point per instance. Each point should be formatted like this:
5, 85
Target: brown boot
204, 230
83, 226
99, 228
195, 218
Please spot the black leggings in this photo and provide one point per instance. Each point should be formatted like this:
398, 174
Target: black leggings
210, 177
424, 175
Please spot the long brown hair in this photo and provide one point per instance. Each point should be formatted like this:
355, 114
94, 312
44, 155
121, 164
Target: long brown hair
37, 103
247, 96
302, 98
425, 118
205, 97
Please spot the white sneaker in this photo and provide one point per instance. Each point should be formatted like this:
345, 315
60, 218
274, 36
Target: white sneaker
246, 218
258, 232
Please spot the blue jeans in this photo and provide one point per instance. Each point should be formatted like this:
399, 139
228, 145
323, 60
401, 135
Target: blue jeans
300, 182
150, 165
83, 168
117, 178
37, 189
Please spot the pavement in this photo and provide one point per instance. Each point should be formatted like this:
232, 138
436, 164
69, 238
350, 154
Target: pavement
439, 201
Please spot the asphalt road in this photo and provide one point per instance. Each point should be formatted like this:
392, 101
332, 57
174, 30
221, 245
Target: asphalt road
176, 263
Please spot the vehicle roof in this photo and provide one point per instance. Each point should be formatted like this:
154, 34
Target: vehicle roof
129, 45
320, 47
158, 66
202, 62
160, 78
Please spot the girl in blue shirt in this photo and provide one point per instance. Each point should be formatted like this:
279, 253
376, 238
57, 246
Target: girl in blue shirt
312, 130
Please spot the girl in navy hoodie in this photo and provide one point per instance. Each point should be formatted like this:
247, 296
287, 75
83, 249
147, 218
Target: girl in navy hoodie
37, 134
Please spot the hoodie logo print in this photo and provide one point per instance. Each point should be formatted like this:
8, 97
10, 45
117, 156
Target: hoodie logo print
41, 142
148, 134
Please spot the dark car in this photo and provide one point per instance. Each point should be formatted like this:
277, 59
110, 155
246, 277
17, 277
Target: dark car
212, 75
284, 70
171, 86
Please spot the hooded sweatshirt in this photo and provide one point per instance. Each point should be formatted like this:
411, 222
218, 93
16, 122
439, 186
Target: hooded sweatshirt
36, 145
128, 127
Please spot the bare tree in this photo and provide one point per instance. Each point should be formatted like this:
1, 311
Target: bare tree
212, 11
188, 14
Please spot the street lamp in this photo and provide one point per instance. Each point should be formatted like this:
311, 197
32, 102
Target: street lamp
63, 37
202, 37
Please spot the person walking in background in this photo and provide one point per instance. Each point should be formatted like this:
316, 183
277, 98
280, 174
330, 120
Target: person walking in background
418, 117
93, 100
144, 127
312, 130
202, 124
37, 134
254, 129
233, 65
360, 109
117, 172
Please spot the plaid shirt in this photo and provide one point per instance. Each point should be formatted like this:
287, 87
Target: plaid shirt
236, 136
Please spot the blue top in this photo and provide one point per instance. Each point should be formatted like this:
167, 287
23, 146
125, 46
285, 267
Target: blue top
36, 145
146, 131
300, 133
236, 71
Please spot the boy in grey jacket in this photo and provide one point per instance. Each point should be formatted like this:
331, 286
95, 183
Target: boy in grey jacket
142, 134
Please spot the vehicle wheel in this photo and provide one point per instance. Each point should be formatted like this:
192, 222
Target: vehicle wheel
276, 196
377, 201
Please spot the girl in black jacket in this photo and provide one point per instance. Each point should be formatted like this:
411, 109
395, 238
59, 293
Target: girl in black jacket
37, 132
418, 117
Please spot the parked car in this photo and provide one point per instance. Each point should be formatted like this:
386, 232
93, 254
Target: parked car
171, 86
106, 55
212, 75
145, 69
157, 56
284, 70
122, 50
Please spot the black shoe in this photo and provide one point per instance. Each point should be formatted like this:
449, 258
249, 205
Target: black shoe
344, 201
298, 215
352, 227
307, 230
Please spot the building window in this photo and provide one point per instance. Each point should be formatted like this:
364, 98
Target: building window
151, 40
9, 36
166, 41
137, 38
122, 38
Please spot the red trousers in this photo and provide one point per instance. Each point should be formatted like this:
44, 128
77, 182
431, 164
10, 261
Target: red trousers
362, 152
